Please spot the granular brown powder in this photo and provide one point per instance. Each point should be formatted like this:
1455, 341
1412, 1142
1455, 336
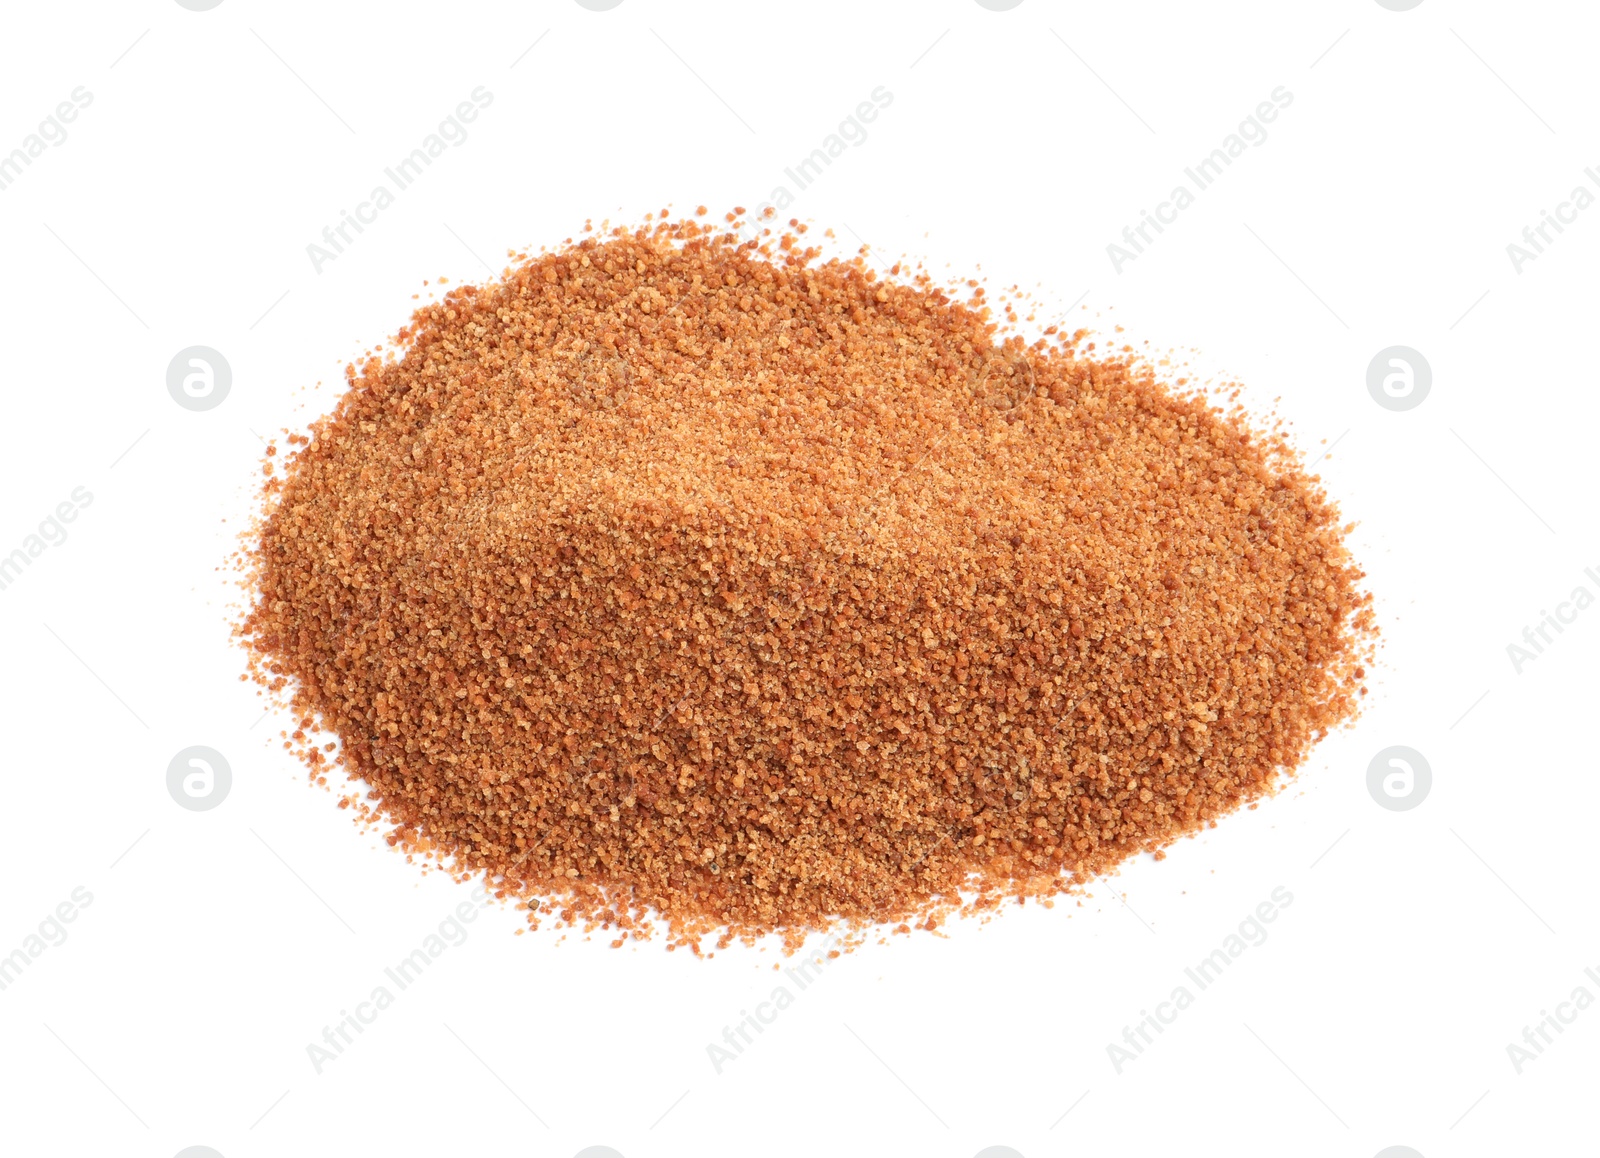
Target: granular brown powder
672, 577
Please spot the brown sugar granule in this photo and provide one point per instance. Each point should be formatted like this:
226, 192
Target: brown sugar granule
673, 577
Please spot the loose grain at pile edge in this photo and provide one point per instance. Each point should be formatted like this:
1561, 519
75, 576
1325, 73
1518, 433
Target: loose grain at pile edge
675, 578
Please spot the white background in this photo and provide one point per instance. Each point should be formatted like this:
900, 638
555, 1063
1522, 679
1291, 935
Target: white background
218, 944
